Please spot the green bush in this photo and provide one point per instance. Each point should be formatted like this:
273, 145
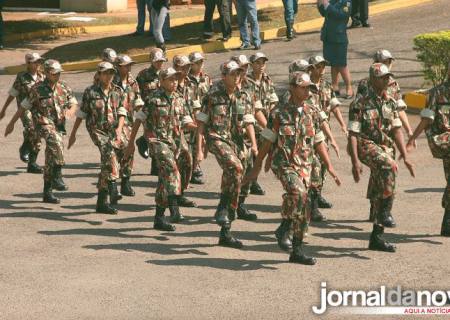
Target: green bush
433, 50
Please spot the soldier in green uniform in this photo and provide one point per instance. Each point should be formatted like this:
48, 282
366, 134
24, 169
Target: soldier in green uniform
225, 119
200, 83
132, 102
266, 99
20, 90
49, 102
329, 103
436, 123
108, 55
182, 65
293, 135
148, 81
375, 126
163, 125
103, 109
385, 57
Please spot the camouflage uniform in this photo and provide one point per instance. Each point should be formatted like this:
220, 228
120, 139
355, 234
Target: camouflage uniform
371, 119
438, 134
102, 114
132, 102
294, 132
225, 119
21, 90
47, 107
148, 81
162, 117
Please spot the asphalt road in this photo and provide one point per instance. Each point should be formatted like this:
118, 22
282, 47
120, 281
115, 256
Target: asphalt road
66, 262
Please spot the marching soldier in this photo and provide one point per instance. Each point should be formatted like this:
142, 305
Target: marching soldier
20, 90
200, 83
49, 102
225, 119
266, 99
163, 124
182, 65
132, 102
148, 81
293, 134
108, 55
103, 109
436, 123
386, 58
375, 126
329, 103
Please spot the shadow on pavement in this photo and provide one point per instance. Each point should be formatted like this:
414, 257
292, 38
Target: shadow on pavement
158, 248
394, 237
422, 190
103, 232
50, 215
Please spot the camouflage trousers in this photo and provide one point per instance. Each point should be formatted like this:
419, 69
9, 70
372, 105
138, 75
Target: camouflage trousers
54, 150
383, 177
169, 179
30, 134
318, 174
233, 161
296, 206
112, 162
440, 149
185, 162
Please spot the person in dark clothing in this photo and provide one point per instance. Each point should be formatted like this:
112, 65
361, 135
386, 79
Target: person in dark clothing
225, 11
160, 10
360, 13
1, 24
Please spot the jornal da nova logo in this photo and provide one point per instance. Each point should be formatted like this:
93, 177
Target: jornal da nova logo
384, 300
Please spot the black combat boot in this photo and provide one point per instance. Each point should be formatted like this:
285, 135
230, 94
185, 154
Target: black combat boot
377, 243
160, 222
297, 255
142, 145
125, 187
316, 215
243, 213
221, 214
102, 203
114, 194
175, 215
323, 203
48, 193
227, 240
445, 229
289, 31
183, 201
33, 167
58, 182
24, 151
197, 176
373, 210
385, 216
256, 189
154, 168
282, 235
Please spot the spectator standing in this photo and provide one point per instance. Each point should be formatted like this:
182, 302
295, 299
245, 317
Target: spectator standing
246, 10
290, 12
360, 13
225, 12
142, 6
160, 9
335, 41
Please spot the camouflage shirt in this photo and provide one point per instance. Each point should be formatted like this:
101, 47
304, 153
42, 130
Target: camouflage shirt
372, 117
132, 100
199, 88
226, 116
148, 81
327, 97
47, 104
393, 90
264, 94
438, 110
163, 117
23, 84
294, 131
101, 111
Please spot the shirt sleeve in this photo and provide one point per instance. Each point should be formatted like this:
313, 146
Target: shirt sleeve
354, 117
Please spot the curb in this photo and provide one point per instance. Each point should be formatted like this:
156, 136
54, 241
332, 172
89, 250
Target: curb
233, 43
73, 31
